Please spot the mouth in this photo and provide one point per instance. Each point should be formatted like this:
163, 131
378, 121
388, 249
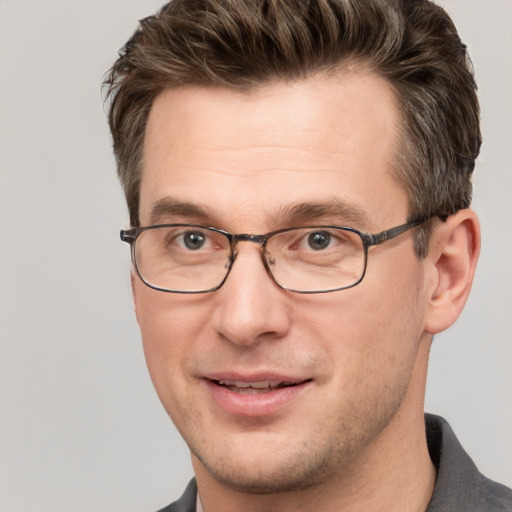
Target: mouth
256, 395
256, 387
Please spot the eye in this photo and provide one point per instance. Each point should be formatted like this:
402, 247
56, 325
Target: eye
190, 240
193, 240
319, 240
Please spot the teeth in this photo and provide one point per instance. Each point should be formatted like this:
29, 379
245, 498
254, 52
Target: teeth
264, 384
260, 385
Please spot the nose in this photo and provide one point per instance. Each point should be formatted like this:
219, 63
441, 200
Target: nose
250, 306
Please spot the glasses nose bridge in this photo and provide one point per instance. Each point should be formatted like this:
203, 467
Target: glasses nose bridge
261, 240
244, 237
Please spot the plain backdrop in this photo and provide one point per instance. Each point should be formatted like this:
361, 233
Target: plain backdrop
81, 428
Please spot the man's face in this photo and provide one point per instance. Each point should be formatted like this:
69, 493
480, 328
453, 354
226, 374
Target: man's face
242, 162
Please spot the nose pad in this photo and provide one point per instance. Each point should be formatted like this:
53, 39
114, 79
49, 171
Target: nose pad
268, 262
231, 260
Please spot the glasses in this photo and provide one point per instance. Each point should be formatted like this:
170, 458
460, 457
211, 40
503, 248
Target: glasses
187, 258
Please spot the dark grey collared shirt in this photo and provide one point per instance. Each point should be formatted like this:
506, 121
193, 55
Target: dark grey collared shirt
460, 487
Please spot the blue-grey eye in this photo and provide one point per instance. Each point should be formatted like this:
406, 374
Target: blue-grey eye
194, 240
319, 240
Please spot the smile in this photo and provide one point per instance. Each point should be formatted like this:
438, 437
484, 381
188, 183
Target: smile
256, 397
264, 386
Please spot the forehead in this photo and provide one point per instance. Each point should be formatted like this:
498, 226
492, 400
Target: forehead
240, 153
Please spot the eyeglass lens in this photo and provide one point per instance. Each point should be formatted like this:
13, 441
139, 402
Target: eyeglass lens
194, 259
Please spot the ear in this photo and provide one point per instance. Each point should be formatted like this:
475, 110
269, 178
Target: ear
452, 260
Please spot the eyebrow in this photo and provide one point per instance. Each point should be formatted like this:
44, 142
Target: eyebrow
167, 207
334, 211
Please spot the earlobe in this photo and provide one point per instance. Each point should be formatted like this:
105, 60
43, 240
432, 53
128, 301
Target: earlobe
453, 258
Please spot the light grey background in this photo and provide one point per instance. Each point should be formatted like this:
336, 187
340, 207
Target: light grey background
81, 428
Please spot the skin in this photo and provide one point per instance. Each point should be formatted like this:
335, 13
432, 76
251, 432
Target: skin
353, 435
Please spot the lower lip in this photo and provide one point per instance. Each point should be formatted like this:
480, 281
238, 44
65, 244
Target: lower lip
255, 404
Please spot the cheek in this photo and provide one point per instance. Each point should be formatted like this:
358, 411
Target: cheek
394, 287
170, 326
372, 331
394, 321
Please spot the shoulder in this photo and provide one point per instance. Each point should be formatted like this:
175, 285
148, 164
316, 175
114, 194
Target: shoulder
497, 496
460, 486
187, 502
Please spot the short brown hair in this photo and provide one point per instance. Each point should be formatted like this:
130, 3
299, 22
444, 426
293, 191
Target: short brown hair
244, 44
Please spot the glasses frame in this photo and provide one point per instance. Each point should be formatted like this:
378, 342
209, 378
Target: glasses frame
369, 239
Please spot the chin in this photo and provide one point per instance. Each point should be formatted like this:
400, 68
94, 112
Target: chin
280, 480
269, 473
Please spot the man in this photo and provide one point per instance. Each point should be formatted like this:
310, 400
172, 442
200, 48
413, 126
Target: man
298, 176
